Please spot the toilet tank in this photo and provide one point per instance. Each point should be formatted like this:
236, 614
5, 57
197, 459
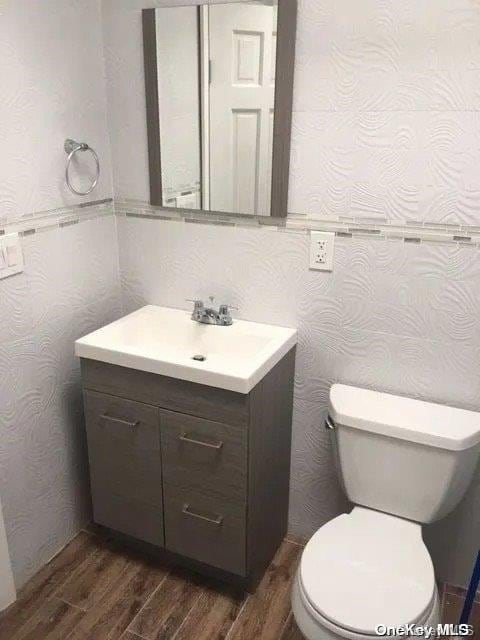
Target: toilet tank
405, 457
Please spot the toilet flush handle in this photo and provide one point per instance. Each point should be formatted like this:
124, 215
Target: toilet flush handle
329, 423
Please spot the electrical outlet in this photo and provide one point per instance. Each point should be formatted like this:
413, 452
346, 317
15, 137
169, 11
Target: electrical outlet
321, 250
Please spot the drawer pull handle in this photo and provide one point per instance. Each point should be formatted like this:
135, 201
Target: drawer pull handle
186, 510
200, 443
127, 423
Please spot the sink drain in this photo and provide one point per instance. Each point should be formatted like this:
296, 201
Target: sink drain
199, 358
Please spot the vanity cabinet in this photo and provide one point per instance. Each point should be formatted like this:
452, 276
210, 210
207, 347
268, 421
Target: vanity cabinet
199, 472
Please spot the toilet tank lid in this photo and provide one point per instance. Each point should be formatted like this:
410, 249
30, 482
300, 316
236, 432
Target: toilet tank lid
427, 423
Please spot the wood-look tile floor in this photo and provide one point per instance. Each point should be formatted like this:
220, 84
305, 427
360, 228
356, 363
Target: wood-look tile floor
452, 606
96, 589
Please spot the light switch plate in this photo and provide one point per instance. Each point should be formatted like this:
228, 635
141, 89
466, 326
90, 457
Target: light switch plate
321, 250
11, 255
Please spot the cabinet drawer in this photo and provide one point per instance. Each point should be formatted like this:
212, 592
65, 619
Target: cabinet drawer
125, 466
203, 455
206, 529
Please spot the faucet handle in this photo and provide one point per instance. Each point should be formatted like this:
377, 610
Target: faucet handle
224, 314
198, 304
225, 308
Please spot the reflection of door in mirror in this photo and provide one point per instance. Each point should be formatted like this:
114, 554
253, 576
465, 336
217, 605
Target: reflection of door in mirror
242, 42
179, 102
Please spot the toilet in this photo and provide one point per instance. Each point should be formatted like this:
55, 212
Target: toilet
403, 463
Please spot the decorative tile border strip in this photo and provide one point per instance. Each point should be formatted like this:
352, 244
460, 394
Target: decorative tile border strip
343, 226
57, 218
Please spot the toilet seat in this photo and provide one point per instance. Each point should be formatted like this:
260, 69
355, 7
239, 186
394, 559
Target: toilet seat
315, 627
367, 568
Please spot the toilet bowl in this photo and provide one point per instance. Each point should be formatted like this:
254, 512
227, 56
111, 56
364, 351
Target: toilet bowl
362, 570
403, 463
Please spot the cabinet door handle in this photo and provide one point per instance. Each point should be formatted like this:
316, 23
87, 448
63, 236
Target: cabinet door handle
200, 443
127, 423
186, 510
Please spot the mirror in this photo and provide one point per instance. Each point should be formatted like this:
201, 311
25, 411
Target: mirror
218, 109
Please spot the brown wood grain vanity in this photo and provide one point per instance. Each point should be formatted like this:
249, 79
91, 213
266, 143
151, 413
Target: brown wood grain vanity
199, 472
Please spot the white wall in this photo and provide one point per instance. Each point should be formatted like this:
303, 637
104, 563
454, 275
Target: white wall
386, 106
52, 86
8, 593
386, 126
69, 288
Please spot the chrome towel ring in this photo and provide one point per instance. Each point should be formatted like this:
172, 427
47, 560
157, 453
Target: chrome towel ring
71, 147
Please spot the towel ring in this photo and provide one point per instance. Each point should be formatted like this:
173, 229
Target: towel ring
71, 147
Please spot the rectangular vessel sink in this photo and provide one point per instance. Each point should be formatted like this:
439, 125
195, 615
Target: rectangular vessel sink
166, 341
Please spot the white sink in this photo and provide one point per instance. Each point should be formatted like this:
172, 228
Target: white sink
164, 341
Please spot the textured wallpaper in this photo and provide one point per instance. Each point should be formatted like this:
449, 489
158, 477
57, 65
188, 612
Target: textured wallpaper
52, 87
387, 99
398, 317
69, 288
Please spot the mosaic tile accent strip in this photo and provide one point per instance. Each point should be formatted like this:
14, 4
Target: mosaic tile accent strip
343, 226
61, 217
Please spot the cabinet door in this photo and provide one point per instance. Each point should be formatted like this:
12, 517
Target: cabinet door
125, 466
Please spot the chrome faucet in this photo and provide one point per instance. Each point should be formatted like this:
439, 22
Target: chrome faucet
209, 315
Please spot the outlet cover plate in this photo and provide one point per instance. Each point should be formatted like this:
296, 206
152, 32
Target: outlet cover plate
11, 256
322, 246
